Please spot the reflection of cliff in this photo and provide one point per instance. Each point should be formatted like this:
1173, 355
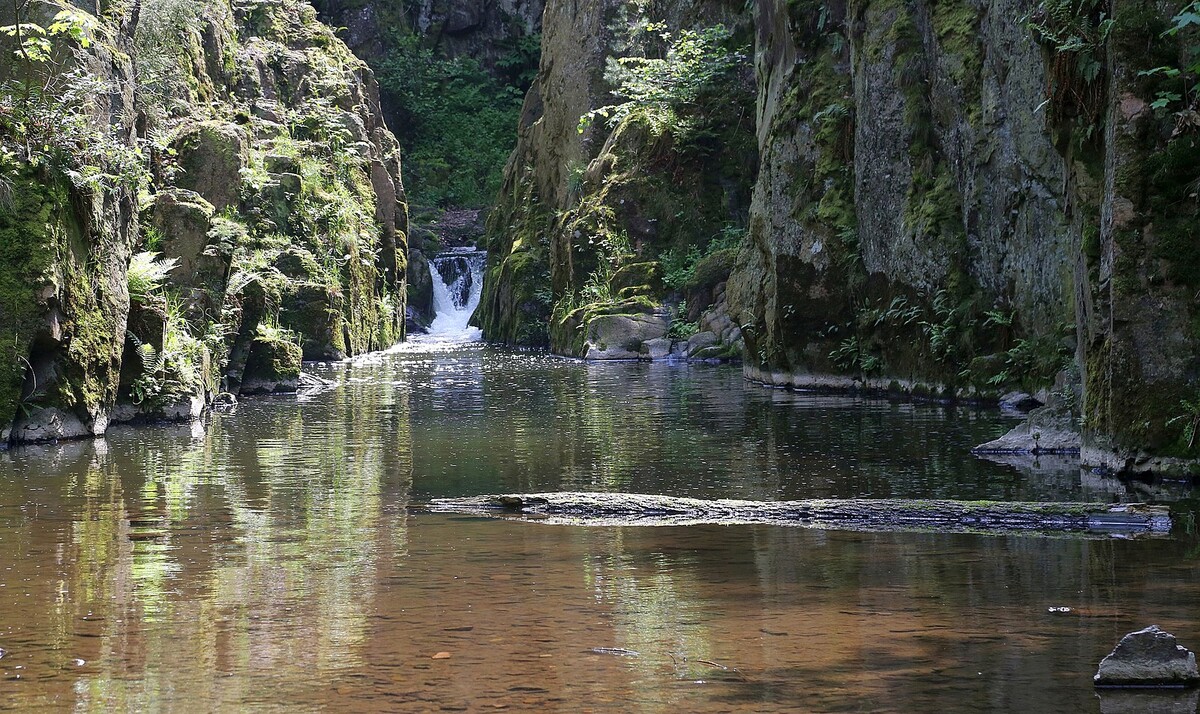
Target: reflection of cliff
231, 552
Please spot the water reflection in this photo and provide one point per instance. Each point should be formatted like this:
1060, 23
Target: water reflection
269, 559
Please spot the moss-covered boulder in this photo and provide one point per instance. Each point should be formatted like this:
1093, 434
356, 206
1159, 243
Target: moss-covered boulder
273, 365
622, 336
211, 156
314, 311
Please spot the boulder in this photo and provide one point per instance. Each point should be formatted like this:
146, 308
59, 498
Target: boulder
1149, 657
658, 348
701, 340
621, 336
1046, 431
50, 424
273, 365
1019, 402
211, 157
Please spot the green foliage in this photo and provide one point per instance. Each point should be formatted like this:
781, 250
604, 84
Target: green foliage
177, 371
46, 107
669, 92
1179, 92
851, 356
680, 328
457, 122
1189, 418
146, 275
1075, 32
519, 64
680, 265
34, 42
166, 80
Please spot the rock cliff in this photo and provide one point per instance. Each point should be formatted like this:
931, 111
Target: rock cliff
232, 204
586, 206
952, 199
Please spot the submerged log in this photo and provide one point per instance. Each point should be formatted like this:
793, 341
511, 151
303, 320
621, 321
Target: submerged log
633, 509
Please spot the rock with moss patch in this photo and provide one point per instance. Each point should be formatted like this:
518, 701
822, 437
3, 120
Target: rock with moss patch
638, 278
1047, 430
656, 349
701, 341
612, 337
314, 311
272, 366
212, 155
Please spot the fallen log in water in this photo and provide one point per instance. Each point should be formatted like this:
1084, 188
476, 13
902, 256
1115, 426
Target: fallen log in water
633, 509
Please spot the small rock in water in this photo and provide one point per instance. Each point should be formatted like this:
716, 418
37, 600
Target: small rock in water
1148, 658
441, 655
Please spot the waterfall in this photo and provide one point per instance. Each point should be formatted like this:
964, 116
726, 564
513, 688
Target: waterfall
457, 284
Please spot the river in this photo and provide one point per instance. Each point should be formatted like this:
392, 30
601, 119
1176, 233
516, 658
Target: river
277, 557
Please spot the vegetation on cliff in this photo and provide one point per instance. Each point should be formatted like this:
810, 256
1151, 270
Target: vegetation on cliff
188, 203
459, 119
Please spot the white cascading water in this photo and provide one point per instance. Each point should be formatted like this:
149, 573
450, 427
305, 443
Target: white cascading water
455, 302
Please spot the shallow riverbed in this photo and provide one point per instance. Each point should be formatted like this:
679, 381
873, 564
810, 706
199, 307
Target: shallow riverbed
278, 557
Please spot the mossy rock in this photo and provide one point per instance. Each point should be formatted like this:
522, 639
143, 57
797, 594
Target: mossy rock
211, 157
314, 311
642, 278
273, 366
297, 264
713, 269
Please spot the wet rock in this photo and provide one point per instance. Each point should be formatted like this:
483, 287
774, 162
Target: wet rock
658, 348
311, 380
1149, 657
621, 336
700, 341
49, 424
272, 366
1046, 431
224, 400
1019, 401
188, 408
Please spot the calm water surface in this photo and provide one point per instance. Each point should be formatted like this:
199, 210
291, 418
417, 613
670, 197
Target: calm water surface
277, 558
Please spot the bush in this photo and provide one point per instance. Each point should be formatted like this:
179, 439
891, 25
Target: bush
673, 92
146, 275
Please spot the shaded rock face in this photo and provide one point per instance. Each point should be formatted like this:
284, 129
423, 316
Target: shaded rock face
483, 30
565, 189
1149, 657
1139, 278
64, 249
903, 180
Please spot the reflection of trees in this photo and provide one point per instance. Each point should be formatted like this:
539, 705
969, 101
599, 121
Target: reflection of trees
253, 549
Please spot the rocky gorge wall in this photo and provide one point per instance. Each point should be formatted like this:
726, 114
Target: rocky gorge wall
959, 206
231, 205
587, 209
951, 199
